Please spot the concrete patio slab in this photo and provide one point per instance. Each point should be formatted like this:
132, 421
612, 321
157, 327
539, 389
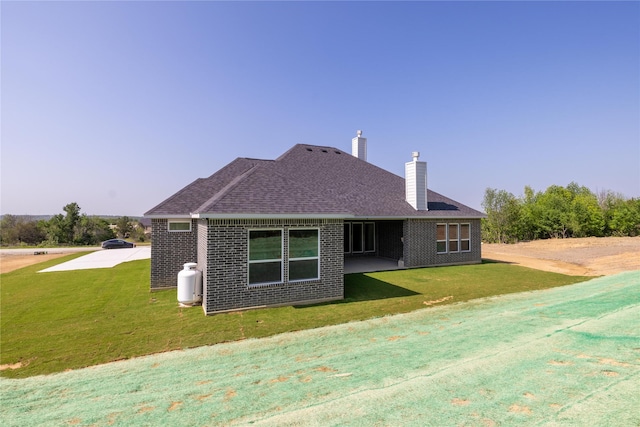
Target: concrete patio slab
369, 264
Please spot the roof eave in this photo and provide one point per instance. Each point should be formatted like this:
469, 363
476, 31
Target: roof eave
272, 216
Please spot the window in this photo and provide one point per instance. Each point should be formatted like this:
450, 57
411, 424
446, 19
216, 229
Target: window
369, 237
356, 240
451, 238
265, 256
465, 237
359, 237
304, 254
347, 237
180, 225
441, 238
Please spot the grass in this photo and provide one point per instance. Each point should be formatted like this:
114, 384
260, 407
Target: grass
52, 322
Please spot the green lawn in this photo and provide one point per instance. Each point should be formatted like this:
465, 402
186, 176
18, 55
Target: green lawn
51, 322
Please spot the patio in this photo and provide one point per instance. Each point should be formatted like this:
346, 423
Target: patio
368, 264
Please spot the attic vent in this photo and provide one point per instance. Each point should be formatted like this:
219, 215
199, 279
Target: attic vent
309, 149
324, 151
337, 152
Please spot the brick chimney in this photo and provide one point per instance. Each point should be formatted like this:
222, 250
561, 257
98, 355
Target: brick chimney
415, 178
359, 147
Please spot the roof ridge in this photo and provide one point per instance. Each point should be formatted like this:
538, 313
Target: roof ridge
227, 188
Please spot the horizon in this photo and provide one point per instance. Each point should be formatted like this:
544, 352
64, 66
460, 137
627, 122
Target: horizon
116, 106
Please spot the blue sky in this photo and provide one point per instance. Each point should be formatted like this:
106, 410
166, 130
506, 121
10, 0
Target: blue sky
117, 105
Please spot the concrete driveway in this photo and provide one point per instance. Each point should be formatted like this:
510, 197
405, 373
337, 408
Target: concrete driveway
103, 258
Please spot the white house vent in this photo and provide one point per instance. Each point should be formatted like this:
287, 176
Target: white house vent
415, 174
359, 147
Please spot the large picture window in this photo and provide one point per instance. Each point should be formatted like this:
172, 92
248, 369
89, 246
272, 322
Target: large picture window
265, 256
453, 237
304, 254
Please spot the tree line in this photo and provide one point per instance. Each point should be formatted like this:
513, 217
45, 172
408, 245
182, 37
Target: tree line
558, 212
71, 228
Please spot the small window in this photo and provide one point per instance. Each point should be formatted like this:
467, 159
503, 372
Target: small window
304, 254
180, 225
265, 256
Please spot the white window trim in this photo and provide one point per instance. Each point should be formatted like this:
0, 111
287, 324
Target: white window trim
179, 221
446, 238
262, 261
459, 239
303, 258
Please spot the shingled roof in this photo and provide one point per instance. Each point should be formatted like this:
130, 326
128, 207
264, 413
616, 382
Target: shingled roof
307, 180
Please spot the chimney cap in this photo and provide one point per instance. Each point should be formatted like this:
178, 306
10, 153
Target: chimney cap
415, 155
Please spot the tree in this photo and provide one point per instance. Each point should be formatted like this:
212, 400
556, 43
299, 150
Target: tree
124, 227
625, 218
92, 230
586, 217
30, 233
71, 220
8, 230
55, 230
555, 211
503, 210
530, 216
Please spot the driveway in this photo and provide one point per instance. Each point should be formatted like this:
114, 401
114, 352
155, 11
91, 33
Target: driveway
103, 258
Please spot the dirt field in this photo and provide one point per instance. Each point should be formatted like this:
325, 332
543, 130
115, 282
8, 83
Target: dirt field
591, 256
13, 262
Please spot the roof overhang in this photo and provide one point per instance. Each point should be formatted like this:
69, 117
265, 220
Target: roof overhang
396, 218
272, 216
166, 216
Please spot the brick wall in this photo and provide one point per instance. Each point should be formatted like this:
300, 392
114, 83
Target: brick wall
169, 252
226, 268
420, 243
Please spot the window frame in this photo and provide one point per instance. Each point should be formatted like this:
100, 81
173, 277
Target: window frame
179, 221
458, 240
468, 239
264, 261
347, 234
450, 242
445, 240
294, 259
359, 245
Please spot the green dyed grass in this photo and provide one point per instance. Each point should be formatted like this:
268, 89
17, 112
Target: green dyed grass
52, 322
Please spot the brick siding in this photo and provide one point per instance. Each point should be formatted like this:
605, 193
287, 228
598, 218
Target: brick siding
169, 252
420, 243
226, 267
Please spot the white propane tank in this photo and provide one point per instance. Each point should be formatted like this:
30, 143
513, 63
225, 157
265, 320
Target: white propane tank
189, 285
